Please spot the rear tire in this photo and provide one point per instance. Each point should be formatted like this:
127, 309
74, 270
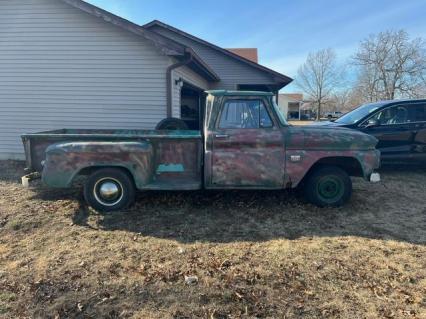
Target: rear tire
109, 189
328, 186
171, 123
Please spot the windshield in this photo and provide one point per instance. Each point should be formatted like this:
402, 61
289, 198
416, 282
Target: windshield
359, 113
278, 111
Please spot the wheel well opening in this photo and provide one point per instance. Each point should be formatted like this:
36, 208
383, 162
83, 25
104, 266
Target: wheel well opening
85, 172
349, 164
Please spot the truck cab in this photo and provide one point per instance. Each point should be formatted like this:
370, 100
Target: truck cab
245, 143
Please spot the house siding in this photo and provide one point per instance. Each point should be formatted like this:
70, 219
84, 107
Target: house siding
190, 77
61, 67
231, 71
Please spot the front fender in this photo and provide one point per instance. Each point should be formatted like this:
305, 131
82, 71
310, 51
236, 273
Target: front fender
369, 160
65, 160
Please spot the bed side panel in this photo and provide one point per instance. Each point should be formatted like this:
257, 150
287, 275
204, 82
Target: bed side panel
65, 160
178, 164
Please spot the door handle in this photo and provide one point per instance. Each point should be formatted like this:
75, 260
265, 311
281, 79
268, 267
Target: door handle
221, 136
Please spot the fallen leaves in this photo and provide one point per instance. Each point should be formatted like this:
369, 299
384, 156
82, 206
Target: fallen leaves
213, 255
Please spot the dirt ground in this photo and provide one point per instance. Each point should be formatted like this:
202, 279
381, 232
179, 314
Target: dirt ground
257, 254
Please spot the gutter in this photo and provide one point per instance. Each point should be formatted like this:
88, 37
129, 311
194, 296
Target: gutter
169, 87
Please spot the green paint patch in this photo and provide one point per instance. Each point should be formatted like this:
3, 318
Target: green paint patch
170, 168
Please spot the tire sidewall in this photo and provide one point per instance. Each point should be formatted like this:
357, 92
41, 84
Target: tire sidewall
333, 172
127, 185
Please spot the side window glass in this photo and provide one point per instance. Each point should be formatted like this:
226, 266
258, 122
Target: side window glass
392, 115
376, 117
420, 113
244, 114
265, 119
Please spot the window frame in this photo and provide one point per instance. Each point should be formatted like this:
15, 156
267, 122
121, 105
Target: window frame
262, 100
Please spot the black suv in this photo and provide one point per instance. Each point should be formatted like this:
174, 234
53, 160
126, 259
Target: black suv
399, 125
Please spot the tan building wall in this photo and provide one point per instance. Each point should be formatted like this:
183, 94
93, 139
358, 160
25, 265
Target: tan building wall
289, 102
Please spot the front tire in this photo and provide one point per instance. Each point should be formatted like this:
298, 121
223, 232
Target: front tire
109, 189
328, 186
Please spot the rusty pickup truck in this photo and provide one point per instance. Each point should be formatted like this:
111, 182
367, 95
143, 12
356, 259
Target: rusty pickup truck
245, 143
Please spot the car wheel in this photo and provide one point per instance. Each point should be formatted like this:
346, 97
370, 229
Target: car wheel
109, 189
328, 186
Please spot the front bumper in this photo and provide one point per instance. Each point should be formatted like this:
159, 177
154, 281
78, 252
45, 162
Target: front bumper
375, 177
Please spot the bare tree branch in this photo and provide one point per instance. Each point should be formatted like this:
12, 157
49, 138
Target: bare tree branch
390, 66
318, 77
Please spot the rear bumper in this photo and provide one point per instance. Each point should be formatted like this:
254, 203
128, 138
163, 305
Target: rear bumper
25, 180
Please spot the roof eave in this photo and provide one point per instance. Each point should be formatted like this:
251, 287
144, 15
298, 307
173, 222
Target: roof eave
205, 69
167, 46
281, 79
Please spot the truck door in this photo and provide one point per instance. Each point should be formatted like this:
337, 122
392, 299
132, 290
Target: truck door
247, 146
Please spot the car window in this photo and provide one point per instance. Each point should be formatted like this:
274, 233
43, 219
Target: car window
398, 114
359, 113
244, 114
420, 112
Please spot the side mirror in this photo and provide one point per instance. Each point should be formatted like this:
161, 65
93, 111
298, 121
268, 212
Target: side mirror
372, 123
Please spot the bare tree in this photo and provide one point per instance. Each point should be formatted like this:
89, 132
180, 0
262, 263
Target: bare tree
367, 84
390, 66
318, 76
342, 99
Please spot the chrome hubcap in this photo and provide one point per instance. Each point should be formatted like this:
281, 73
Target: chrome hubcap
108, 191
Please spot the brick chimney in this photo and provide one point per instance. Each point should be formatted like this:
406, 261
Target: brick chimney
247, 53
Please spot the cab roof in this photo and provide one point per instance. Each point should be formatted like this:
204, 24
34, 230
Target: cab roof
240, 93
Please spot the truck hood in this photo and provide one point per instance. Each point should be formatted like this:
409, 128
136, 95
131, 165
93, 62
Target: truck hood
331, 138
326, 123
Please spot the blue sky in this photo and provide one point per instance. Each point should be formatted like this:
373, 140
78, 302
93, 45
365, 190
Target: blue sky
283, 31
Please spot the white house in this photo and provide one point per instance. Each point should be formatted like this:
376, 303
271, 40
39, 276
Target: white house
69, 64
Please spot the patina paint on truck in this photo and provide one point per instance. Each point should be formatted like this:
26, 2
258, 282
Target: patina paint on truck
245, 144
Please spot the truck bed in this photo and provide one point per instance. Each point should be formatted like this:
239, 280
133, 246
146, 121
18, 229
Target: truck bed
35, 144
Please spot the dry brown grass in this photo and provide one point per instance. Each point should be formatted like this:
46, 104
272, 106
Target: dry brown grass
256, 254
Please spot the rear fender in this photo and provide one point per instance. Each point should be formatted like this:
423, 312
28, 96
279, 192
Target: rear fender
64, 161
